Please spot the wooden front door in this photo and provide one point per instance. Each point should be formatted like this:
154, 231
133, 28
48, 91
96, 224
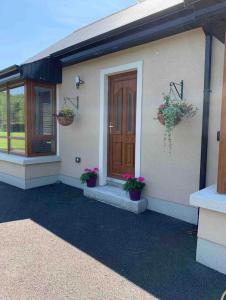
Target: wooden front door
122, 124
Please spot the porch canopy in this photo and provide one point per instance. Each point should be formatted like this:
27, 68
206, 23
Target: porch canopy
45, 70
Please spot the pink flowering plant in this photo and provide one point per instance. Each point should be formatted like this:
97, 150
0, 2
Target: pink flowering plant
133, 183
88, 174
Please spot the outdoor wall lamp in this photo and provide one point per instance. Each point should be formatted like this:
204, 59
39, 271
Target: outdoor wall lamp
78, 81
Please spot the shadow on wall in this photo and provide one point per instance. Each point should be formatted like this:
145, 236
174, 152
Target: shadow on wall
155, 252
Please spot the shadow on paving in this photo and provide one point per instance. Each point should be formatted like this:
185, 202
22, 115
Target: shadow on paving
155, 252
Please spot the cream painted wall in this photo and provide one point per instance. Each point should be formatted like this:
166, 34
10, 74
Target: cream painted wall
41, 170
169, 177
12, 169
212, 226
215, 110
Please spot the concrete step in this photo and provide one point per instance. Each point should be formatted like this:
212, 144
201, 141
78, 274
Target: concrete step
115, 196
118, 184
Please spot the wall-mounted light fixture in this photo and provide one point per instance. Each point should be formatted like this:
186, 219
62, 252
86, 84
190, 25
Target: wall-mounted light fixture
78, 81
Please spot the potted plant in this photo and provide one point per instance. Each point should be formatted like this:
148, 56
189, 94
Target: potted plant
66, 116
89, 177
171, 112
134, 186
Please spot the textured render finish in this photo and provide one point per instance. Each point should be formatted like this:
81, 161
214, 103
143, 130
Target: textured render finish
157, 166
211, 245
8, 168
109, 23
42, 170
116, 197
212, 226
211, 255
29, 176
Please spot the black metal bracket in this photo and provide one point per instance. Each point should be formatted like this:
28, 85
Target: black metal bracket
218, 136
178, 87
71, 100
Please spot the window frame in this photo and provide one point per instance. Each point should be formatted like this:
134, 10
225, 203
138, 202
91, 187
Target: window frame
29, 122
7, 88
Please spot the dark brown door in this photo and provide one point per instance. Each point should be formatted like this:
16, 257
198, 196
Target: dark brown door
122, 124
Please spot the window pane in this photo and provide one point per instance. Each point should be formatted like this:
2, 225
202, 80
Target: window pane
17, 120
3, 114
44, 111
40, 147
130, 112
17, 146
118, 103
17, 112
3, 144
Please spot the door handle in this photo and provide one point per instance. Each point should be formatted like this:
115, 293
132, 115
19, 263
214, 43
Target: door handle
111, 126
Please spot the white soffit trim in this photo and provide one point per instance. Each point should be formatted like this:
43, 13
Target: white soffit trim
104, 116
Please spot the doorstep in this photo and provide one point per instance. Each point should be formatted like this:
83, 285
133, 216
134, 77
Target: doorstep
115, 196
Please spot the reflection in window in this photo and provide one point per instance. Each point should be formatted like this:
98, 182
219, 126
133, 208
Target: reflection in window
43, 139
16, 130
44, 110
40, 119
130, 112
3, 121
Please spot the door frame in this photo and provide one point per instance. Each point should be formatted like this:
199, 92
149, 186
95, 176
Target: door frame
104, 74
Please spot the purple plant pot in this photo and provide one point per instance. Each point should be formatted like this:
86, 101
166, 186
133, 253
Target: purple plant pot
92, 182
135, 195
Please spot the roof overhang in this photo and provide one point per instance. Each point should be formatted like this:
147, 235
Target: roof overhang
46, 70
9, 71
207, 14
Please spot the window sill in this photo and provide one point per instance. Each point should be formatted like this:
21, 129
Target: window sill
21, 160
209, 199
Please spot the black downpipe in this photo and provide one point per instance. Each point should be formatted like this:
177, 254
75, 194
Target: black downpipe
206, 110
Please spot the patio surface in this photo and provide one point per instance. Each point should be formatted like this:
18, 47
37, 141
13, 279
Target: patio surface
57, 244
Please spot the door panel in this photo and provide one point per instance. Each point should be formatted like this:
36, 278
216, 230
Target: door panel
121, 124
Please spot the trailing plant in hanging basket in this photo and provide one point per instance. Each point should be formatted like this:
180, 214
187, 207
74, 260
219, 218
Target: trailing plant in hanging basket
66, 116
171, 112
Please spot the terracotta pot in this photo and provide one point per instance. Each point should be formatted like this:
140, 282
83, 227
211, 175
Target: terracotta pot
92, 182
135, 195
162, 120
65, 121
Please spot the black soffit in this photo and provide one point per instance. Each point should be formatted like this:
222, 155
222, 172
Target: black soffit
212, 18
46, 70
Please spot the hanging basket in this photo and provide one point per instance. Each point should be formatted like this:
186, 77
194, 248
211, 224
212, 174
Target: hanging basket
65, 116
162, 120
65, 121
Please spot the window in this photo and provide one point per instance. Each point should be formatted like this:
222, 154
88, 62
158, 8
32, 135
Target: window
27, 119
3, 121
16, 122
43, 121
